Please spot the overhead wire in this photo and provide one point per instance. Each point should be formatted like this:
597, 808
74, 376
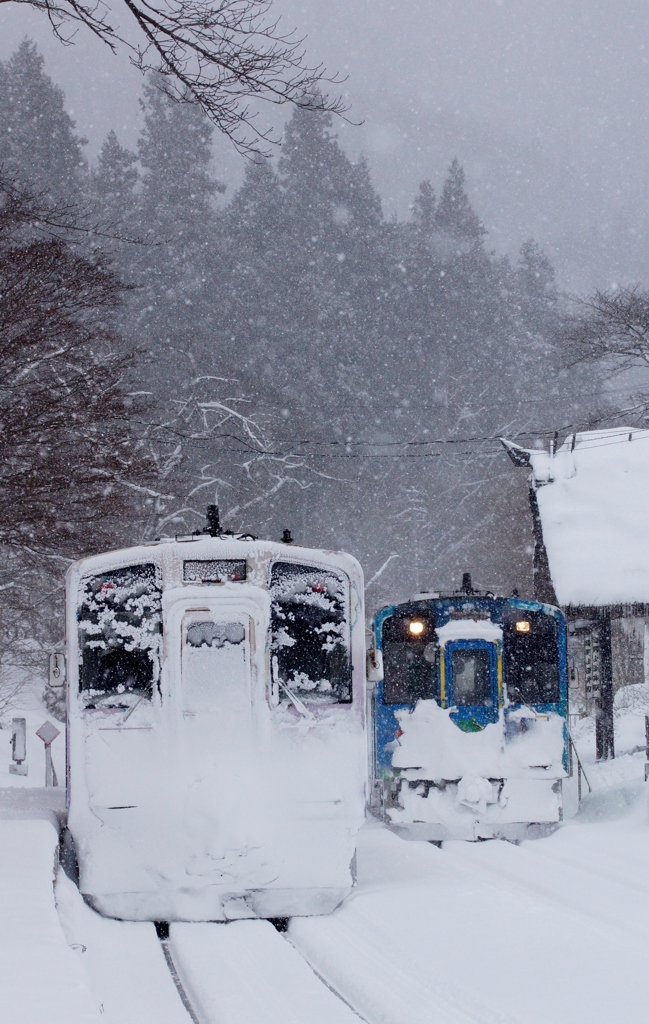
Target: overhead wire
294, 448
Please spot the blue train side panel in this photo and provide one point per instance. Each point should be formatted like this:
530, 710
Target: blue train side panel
470, 718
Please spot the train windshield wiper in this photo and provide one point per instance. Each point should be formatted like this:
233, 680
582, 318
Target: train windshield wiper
294, 699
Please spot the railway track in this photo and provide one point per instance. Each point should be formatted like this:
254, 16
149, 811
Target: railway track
246, 972
243, 972
422, 939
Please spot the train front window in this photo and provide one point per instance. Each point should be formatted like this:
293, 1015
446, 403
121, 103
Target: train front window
409, 658
531, 657
471, 677
120, 634
310, 635
215, 634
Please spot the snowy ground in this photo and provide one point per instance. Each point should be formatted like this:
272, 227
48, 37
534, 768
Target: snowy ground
554, 931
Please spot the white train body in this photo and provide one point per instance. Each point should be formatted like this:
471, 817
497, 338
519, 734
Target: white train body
216, 733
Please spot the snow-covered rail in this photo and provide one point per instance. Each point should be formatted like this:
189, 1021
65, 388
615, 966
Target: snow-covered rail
245, 972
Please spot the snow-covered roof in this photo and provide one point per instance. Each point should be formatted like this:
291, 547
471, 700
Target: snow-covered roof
593, 497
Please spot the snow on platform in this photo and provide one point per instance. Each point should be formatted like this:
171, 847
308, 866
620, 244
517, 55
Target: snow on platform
33, 802
41, 980
593, 500
245, 972
556, 930
123, 962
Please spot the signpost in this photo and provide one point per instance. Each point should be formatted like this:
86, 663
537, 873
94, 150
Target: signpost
47, 733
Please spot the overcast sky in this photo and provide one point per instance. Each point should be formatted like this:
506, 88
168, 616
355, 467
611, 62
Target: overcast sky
546, 102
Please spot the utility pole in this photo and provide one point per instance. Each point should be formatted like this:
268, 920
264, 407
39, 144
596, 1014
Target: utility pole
604, 729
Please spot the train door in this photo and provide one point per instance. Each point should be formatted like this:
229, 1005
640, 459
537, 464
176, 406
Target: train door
216, 681
472, 682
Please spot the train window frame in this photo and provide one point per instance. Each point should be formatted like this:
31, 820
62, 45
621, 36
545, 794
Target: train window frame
472, 646
293, 686
550, 692
134, 673
404, 641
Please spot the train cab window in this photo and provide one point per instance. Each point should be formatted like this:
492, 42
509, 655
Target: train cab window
409, 659
310, 634
470, 677
215, 634
531, 649
120, 633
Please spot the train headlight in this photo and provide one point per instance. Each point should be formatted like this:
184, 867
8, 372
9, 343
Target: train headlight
416, 627
523, 626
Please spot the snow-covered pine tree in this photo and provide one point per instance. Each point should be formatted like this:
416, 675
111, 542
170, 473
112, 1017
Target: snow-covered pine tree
334, 261
455, 217
176, 219
423, 209
38, 143
113, 182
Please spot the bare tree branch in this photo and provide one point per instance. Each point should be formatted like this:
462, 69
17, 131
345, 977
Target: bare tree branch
612, 325
219, 54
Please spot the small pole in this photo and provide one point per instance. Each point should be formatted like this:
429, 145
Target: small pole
646, 735
580, 770
49, 767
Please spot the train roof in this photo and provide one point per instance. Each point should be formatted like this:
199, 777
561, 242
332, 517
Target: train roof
205, 547
461, 597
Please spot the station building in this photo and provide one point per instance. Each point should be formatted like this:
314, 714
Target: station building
589, 499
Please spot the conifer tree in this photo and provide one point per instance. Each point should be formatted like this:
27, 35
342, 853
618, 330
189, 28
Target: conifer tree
536, 274
37, 139
454, 215
335, 261
113, 183
176, 220
423, 209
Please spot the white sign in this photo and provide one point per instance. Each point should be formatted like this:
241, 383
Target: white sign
47, 732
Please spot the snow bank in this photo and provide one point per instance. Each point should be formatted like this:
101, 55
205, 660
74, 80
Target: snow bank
491, 932
593, 504
41, 979
122, 962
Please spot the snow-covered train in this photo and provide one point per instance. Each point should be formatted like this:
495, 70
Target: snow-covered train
216, 728
470, 717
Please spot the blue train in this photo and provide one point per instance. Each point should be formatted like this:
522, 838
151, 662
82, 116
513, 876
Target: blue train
470, 737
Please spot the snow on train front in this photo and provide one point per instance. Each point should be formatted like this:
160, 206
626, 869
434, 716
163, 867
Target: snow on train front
216, 733
470, 717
